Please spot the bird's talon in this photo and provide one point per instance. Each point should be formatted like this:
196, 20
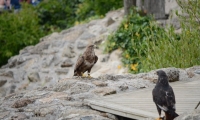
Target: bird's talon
89, 76
160, 118
83, 75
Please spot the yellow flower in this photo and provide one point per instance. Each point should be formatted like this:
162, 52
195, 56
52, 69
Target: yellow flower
127, 56
76, 23
119, 66
126, 26
188, 32
134, 66
138, 35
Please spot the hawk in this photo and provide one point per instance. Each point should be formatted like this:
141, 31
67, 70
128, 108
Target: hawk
164, 97
85, 62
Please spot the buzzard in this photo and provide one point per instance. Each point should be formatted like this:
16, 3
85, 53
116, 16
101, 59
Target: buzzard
164, 97
85, 62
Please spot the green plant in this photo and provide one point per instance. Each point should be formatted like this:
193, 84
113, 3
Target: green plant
146, 46
17, 31
132, 38
57, 14
182, 52
88, 8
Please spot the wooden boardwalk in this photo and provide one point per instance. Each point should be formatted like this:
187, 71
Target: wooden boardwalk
139, 104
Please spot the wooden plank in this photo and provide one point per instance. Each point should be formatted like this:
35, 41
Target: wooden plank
139, 104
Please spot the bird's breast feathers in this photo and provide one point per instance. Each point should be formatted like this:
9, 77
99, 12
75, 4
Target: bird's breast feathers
88, 63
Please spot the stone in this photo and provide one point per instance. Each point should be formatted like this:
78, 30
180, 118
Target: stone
43, 111
4, 114
82, 112
62, 71
64, 85
72, 35
123, 87
22, 103
67, 63
104, 91
19, 116
58, 43
12, 89
81, 44
53, 36
156, 8
34, 77
71, 116
99, 83
86, 36
55, 95
56, 59
80, 88
190, 115
35, 94
8, 74
19, 74
47, 60
68, 52
109, 22
26, 50
97, 29
39, 48
111, 116
172, 73
190, 74
2, 82
108, 77
197, 71
87, 118
105, 58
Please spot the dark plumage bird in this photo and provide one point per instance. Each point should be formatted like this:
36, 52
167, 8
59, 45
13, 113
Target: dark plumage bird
164, 97
85, 62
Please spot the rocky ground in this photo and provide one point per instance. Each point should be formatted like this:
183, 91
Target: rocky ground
65, 99
38, 83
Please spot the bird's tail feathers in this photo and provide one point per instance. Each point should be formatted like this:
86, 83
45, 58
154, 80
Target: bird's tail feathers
171, 115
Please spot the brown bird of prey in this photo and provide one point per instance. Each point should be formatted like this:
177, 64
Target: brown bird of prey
164, 97
85, 62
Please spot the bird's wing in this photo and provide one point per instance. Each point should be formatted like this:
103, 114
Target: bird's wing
80, 61
159, 97
96, 58
170, 98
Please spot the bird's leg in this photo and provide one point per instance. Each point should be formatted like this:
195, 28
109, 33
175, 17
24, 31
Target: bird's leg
160, 118
89, 75
82, 74
159, 112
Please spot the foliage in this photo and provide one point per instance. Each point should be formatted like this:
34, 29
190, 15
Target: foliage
180, 53
17, 31
62, 14
146, 46
132, 38
88, 8
31, 23
57, 14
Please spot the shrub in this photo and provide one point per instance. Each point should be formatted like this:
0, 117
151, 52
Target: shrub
88, 8
62, 14
146, 46
132, 38
182, 52
17, 31
57, 14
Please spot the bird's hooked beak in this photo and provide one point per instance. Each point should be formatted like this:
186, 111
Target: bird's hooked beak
157, 72
95, 47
